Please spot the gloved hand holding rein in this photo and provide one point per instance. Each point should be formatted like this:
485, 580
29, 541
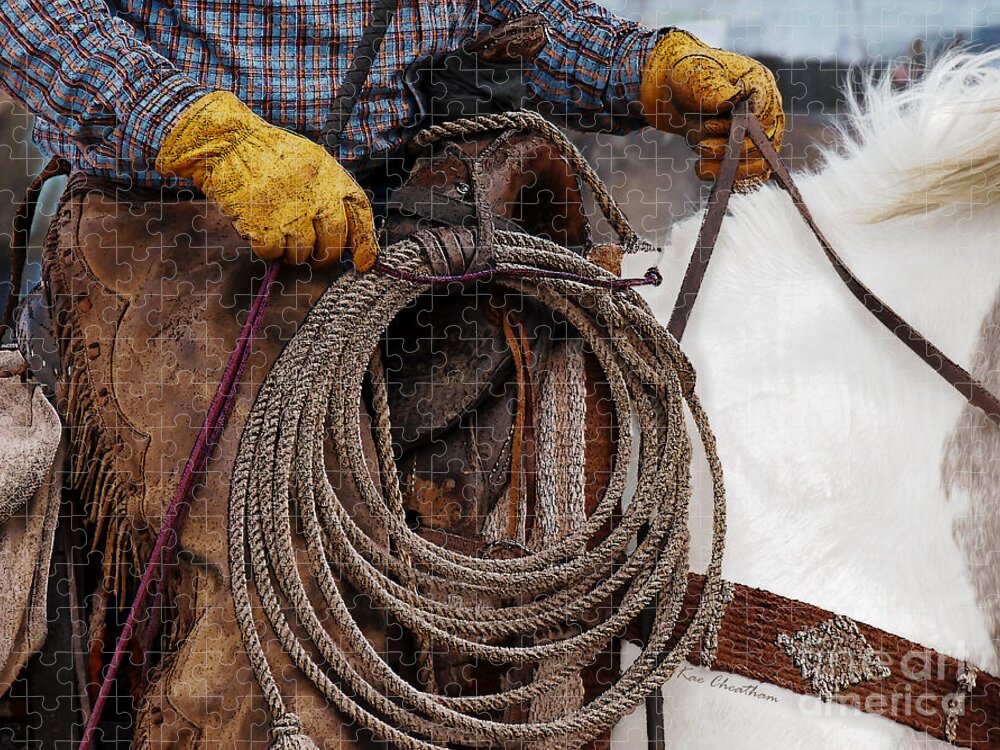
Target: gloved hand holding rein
689, 88
286, 194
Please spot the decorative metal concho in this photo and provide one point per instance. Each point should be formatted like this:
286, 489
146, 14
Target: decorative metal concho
833, 655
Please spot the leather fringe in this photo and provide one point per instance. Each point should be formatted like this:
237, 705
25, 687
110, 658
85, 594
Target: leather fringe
103, 493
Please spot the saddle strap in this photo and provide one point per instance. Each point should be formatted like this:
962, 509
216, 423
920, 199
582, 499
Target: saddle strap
357, 74
744, 123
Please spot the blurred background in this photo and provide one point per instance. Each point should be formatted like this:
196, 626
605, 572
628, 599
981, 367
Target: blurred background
811, 45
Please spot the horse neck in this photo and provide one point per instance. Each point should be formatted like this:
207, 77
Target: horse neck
833, 434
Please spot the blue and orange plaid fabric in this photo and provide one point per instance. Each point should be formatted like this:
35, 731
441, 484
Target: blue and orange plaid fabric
108, 78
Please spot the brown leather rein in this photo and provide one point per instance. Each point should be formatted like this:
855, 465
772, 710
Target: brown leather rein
745, 124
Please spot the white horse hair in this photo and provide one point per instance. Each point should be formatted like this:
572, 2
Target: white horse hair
858, 480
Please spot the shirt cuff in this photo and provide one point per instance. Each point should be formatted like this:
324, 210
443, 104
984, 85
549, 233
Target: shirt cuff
151, 116
622, 98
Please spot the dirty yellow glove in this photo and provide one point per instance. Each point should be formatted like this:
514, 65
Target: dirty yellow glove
286, 194
690, 88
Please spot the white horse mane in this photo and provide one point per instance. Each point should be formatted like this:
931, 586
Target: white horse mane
931, 146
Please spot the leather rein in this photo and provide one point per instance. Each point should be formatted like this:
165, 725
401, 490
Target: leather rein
745, 124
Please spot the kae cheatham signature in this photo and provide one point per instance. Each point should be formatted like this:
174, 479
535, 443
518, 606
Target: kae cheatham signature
724, 682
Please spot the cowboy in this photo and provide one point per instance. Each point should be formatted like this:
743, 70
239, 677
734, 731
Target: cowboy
149, 100
230, 96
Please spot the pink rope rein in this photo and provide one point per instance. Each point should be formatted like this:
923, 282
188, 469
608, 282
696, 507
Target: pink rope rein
652, 277
166, 538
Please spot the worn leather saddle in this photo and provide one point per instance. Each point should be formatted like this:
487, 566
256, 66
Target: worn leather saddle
450, 364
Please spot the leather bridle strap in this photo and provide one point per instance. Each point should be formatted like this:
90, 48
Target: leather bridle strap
718, 201
744, 123
767, 638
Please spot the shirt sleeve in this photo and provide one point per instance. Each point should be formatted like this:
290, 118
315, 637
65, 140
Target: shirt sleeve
588, 72
88, 73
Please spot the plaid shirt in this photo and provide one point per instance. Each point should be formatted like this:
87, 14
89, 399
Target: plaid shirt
108, 78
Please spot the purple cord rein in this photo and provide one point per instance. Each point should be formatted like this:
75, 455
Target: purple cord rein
166, 538
652, 277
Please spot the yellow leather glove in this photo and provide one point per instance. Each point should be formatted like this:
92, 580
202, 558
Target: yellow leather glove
690, 88
286, 194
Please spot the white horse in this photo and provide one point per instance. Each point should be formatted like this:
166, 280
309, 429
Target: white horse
858, 480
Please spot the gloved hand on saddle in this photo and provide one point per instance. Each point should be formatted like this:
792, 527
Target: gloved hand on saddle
690, 89
286, 194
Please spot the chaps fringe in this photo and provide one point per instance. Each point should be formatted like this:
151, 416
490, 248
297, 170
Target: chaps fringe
104, 493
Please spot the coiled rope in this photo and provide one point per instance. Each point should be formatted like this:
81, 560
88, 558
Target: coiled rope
281, 501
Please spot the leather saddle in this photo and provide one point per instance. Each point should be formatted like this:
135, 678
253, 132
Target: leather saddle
450, 363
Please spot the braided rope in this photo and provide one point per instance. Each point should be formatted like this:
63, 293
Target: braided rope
312, 399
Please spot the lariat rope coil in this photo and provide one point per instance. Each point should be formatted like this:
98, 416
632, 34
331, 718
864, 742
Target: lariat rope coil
282, 501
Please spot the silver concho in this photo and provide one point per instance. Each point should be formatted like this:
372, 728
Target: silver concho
832, 656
